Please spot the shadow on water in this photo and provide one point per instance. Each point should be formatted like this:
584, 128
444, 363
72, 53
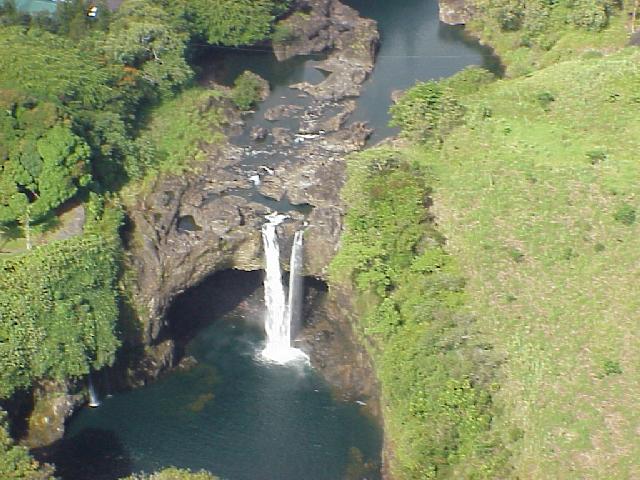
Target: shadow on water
457, 34
93, 454
223, 65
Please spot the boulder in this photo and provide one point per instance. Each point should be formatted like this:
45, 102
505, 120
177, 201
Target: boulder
281, 111
53, 406
455, 12
258, 133
282, 136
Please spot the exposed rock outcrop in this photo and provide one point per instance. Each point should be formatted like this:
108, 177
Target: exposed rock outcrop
52, 406
336, 351
352, 40
193, 225
169, 260
156, 359
455, 12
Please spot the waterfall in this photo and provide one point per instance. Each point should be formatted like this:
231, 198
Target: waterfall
294, 306
279, 316
93, 396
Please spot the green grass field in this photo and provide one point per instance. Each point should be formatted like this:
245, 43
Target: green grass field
536, 195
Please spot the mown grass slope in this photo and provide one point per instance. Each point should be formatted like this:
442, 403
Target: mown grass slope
536, 194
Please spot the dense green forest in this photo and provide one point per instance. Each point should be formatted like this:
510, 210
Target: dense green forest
92, 108
492, 252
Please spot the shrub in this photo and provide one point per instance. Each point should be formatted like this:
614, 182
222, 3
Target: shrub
247, 90
469, 80
508, 13
283, 33
427, 111
545, 99
597, 155
589, 14
15, 461
515, 255
611, 367
626, 215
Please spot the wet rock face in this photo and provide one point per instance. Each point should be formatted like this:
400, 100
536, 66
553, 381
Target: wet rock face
156, 360
169, 258
52, 407
455, 12
335, 350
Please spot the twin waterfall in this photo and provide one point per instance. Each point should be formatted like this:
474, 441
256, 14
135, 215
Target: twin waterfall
282, 313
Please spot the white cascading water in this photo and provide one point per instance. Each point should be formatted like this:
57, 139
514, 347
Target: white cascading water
93, 396
278, 319
294, 305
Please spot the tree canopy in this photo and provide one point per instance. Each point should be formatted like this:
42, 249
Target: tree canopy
15, 461
43, 163
227, 22
58, 306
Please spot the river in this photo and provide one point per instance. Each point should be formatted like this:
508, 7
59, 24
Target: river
233, 414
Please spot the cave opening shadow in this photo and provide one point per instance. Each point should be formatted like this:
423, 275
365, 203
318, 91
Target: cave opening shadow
237, 291
216, 296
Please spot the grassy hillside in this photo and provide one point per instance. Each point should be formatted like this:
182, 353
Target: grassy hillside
522, 285
538, 33
538, 204
436, 379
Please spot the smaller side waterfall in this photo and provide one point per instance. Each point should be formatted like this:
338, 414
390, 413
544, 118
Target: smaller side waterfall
94, 401
279, 314
296, 287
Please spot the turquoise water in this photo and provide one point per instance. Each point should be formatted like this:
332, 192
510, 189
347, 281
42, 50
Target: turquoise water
232, 414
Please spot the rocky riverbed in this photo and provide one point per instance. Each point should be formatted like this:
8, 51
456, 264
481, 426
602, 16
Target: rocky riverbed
192, 226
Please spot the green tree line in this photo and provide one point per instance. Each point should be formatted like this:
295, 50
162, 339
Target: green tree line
76, 96
73, 90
